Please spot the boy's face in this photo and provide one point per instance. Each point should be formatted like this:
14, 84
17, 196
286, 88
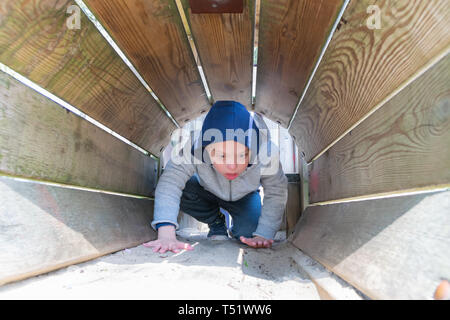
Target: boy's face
229, 158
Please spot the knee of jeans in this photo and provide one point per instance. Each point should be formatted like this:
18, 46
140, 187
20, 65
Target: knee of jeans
238, 235
244, 231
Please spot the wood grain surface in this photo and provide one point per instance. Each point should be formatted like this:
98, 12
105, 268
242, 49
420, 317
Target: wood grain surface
363, 65
41, 140
391, 248
80, 67
291, 36
293, 206
403, 145
152, 36
44, 228
225, 46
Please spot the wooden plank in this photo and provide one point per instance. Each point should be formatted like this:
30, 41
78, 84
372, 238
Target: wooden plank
152, 36
224, 43
363, 66
79, 66
41, 140
292, 34
216, 6
304, 191
403, 145
293, 207
44, 228
328, 285
391, 248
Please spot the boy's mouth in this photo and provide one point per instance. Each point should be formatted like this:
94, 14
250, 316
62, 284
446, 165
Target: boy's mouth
231, 176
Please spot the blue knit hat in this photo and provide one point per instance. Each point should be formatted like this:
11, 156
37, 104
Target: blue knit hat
225, 115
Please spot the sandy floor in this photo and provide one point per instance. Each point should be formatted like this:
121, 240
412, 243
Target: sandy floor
213, 270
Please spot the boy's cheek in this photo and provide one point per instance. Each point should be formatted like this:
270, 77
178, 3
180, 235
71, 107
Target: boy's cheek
217, 161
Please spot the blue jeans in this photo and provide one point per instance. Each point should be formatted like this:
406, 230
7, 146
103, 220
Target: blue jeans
205, 207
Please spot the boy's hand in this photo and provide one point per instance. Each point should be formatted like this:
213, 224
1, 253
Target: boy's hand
167, 241
163, 245
257, 242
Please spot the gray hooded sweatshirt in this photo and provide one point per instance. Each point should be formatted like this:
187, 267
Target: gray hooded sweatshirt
264, 170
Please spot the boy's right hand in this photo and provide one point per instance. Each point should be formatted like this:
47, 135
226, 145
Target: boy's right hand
167, 241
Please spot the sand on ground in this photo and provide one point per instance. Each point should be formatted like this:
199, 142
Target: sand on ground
213, 270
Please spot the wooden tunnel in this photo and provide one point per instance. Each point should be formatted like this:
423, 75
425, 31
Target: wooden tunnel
363, 87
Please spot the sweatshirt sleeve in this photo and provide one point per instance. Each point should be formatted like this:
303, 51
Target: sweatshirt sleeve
274, 203
168, 192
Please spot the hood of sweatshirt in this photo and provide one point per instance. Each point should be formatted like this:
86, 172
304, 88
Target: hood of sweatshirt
224, 115
228, 120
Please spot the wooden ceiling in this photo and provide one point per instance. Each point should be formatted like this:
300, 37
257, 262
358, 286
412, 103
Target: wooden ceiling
80, 67
365, 66
225, 46
151, 35
355, 76
292, 34
291, 37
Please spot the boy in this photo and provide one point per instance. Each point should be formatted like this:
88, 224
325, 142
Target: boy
224, 172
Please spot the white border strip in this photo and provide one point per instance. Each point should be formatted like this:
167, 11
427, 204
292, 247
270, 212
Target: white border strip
324, 49
386, 99
194, 51
399, 193
69, 107
69, 186
116, 48
255, 48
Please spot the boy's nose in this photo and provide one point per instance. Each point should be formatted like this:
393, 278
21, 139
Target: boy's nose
231, 166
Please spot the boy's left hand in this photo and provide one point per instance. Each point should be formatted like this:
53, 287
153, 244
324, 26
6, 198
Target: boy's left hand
257, 242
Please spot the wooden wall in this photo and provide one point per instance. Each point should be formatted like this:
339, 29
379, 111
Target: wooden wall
151, 33
292, 34
41, 140
80, 67
49, 227
82, 192
390, 248
403, 145
225, 46
374, 127
293, 205
362, 66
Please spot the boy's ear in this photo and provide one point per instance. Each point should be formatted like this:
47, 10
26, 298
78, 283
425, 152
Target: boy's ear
210, 150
